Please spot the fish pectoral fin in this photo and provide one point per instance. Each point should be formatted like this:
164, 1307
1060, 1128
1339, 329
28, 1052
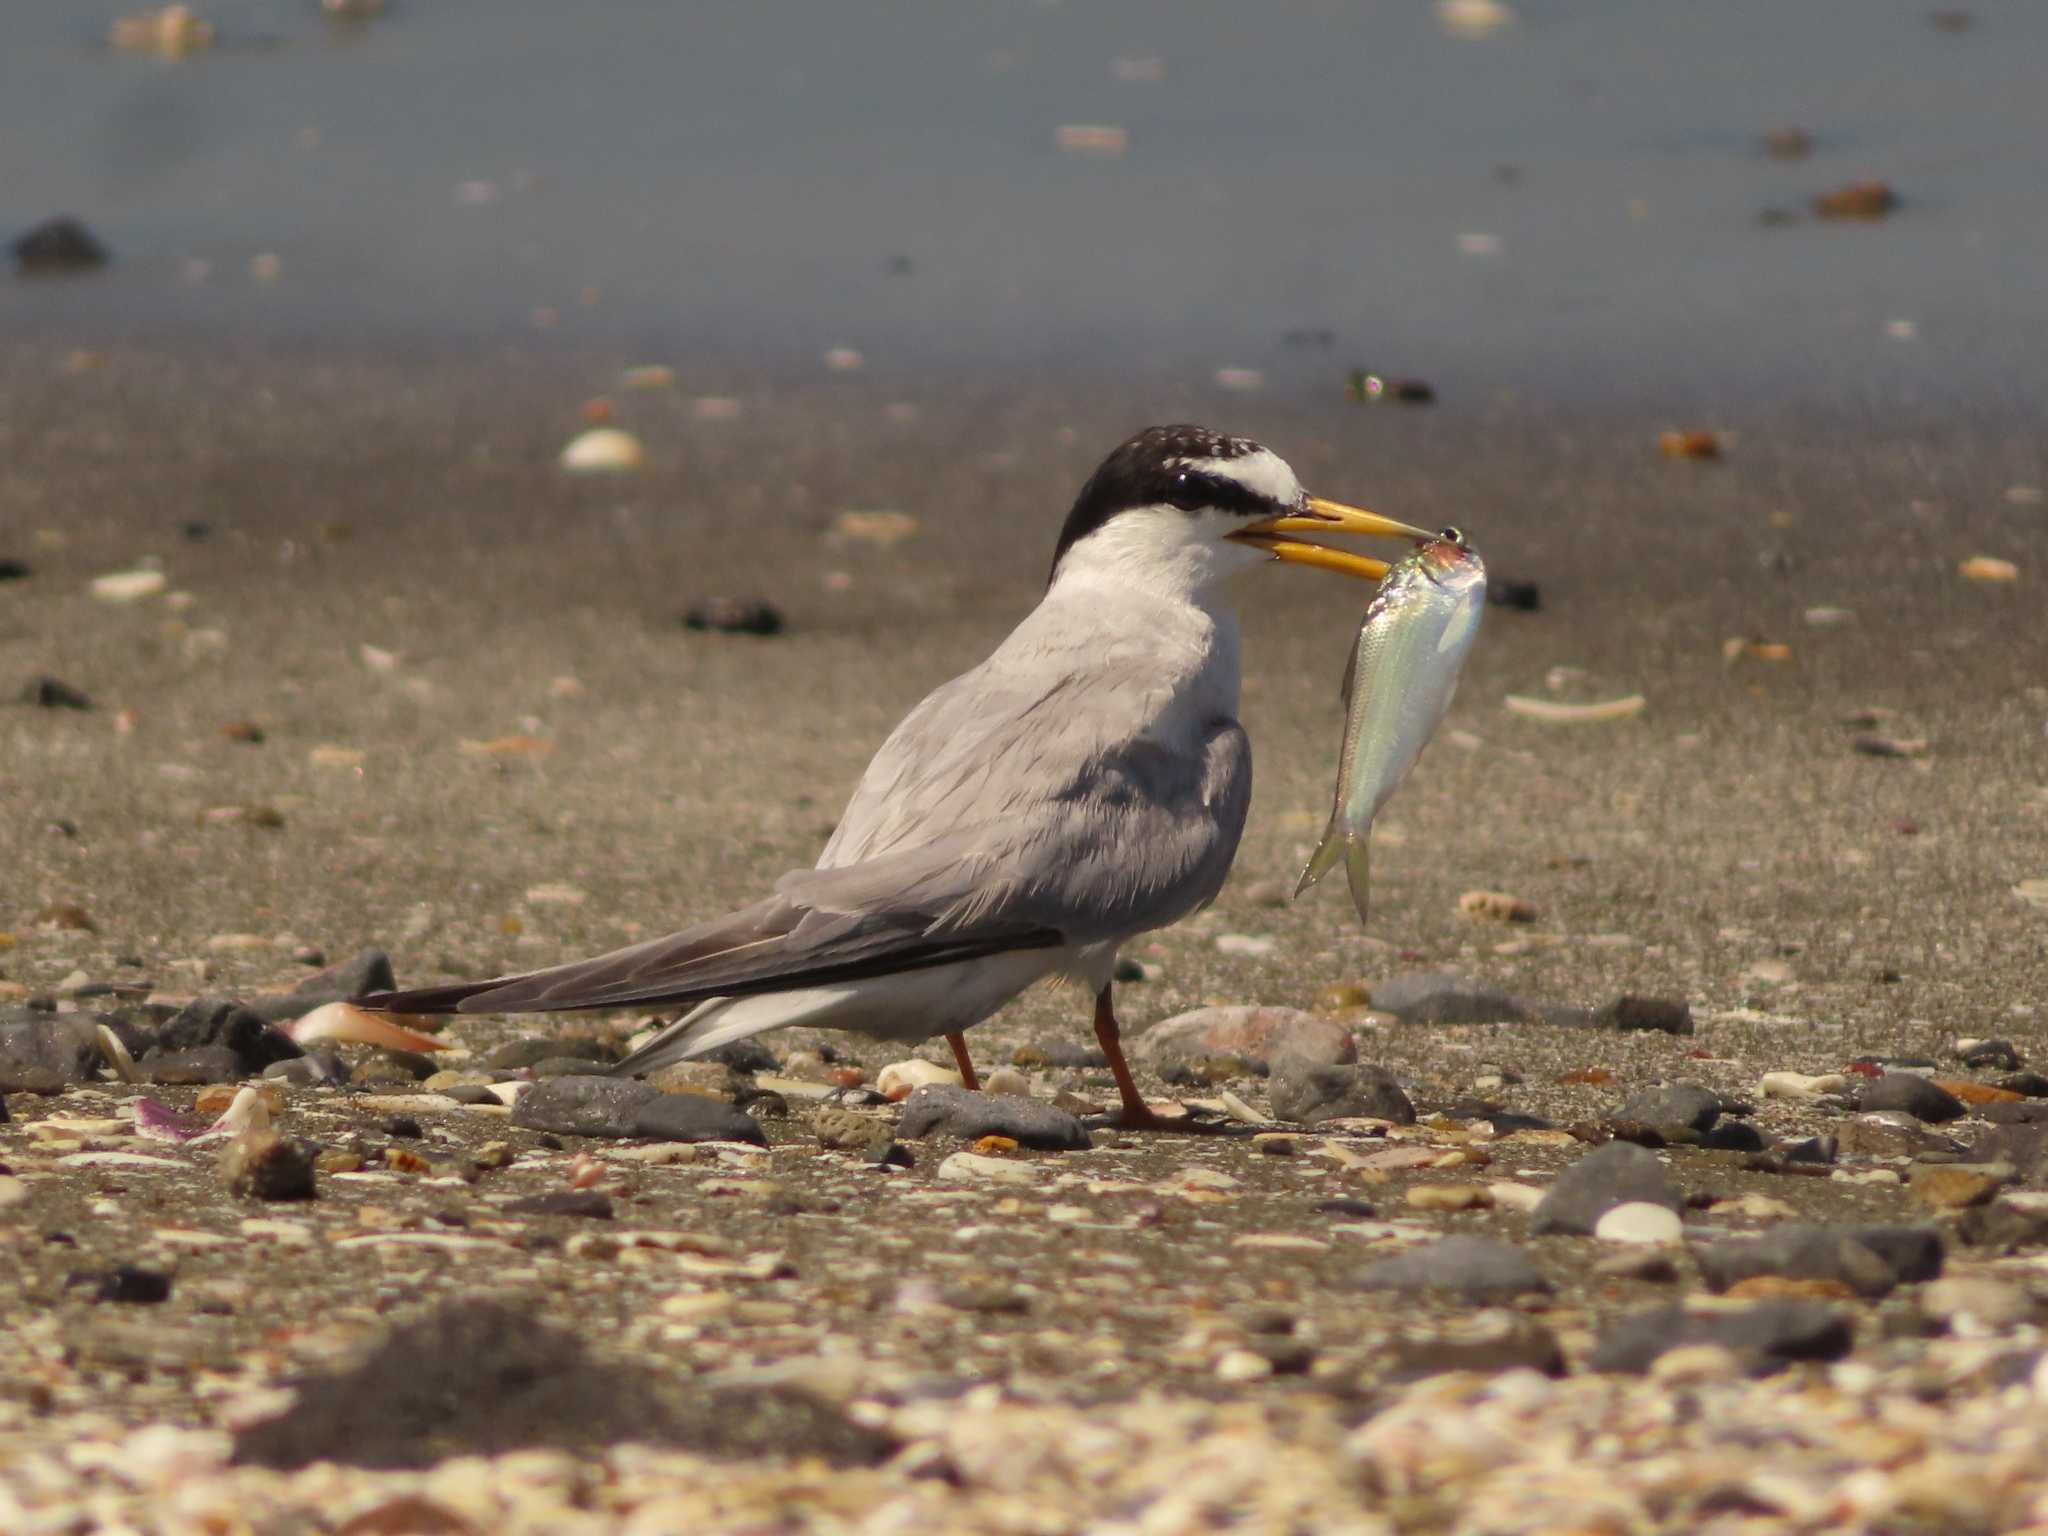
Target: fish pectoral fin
1358, 871
1323, 860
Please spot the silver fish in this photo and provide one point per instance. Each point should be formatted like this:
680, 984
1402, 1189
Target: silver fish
1404, 668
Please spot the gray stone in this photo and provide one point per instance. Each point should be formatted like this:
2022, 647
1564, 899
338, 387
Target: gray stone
690, 1117
46, 1052
1869, 1260
1441, 997
221, 1022
1306, 1093
1604, 1178
514, 1055
367, 971
1915, 1095
1687, 1104
1497, 1341
1480, 1269
1259, 1035
2025, 1147
1891, 1134
1653, 1015
1766, 1337
943, 1109
584, 1106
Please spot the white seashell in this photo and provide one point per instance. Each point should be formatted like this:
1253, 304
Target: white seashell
128, 586
249, 1111
900, 1079
1639, 1221
603, 451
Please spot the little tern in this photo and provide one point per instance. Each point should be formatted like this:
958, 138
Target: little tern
1085, 784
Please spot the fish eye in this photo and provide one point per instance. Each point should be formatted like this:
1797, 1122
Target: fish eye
1453, 536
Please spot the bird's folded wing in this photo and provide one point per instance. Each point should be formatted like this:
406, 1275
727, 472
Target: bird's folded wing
821, 927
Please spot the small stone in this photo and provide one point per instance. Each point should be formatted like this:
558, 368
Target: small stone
1956, 1186
845, 1129
897, 1081
1798, 1085
1481, 1269
1988, 1055
1638, 1221
1765, 1337
734, 616
1496, 907
1242, 1365
1440, 997
585, 1203
266, 1166
1870, 1261
1650, 1264
603, 450
1491, 1342
1449, 1197
950, 1110
1608, 1176
1988, 568
972, 1167
57, 246
1990, 1304
1307, 1093
1692, 1365
1255, 1034
46, 1053
54, 693
585, 1106
133, 1286
1865, 201
1647, 1015
2022, 1147
216, 1025
128, 586
1915, 1095
1683, 1103
1340, 996
692, 1117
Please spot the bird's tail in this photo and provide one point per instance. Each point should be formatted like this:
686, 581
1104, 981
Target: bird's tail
1355, 848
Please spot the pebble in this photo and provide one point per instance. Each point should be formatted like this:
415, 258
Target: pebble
1508, 1195
1797, 1085
1609, 1176
603, 450
1990, 1304
263, 1165
1306, 1093
1915, 1095
1496, 907
128, 586
1869, 1260
1858, 200
57, 246
1638, 1221
1988, 568
1441, 997
1256, 1035
1008, 1081
1682, 1103
1629, 1014
2023, 1148
1956, 1186
1765, 1336
609, 1106
1481, 1269
45, 1053
948, 1109
972, 1166
1491, 1343
1450, 1197
897, 1081
54, 693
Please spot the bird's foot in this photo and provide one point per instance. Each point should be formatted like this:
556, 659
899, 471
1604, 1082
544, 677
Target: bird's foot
1142, 1117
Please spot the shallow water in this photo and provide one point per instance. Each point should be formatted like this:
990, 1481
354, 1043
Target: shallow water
1569, 205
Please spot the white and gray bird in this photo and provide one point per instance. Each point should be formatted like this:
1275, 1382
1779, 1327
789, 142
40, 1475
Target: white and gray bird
1085, 784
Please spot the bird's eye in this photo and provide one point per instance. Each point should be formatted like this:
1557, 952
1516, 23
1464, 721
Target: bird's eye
1186, 491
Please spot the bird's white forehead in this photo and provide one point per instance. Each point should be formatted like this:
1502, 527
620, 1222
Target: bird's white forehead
1261, 471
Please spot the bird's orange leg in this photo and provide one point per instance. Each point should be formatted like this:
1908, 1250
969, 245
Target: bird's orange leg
1137, 1114
959, 1044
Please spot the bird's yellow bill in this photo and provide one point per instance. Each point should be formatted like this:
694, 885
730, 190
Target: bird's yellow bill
1273, 536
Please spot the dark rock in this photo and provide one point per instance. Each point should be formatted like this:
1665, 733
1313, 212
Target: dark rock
1440, 997
405, 1126
2033, 1084
1500, 1341
225, 1023
1348, 1206
515, 1055
585, 1106
1991, 1056
480, 1378
562, 1202
1257, 1035
1636, 1133
2023, 1146
734, 616
45, 1053
1914, 1095
55, 693
2003, 1227
317, 1066
949, 1111
267, 1166
690, 1117
56, 246
1481, 1269
885, 1153
1869, 1260
1306, 1093
1815, 1149
1687, 1104
126, 1283
1767, 1336
561, 1066
745, 1056
365, 972
1604, 1178
1655, 1015
15, 570
1506, 1122
1733, 1136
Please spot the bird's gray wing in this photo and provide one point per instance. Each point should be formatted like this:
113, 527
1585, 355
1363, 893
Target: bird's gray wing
1133, 840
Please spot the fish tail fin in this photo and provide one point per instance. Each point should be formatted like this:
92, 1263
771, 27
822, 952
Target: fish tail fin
1324, 859
1358, 870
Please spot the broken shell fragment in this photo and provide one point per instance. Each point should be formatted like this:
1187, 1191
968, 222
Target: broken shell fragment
1554, 712
1988, 568
1496, 907
1689, 445
603, 451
